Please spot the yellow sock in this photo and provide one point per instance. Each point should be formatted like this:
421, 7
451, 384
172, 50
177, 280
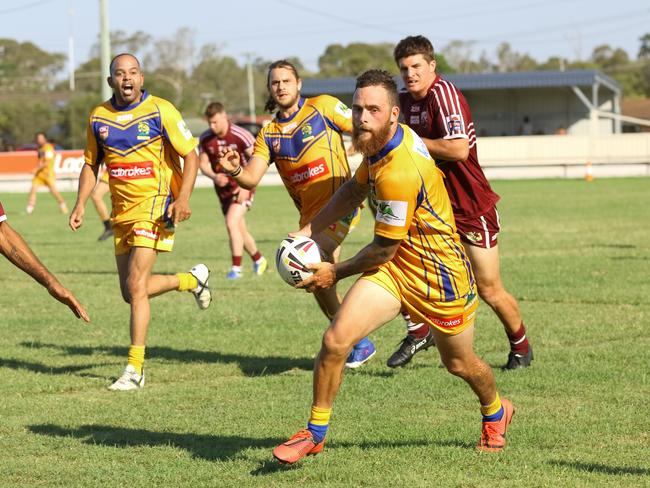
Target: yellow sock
492, 409
136, 357
186, 281
319, 422
320, 416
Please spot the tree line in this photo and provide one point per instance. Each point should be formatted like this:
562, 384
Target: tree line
35, 92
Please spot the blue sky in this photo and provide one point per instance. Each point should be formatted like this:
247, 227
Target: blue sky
275, 29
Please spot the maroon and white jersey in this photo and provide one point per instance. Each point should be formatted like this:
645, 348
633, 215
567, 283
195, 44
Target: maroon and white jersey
237, 138
3, 217
444, 114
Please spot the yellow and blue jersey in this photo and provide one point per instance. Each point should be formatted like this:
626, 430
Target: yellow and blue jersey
141, 146
307, 149
413, 206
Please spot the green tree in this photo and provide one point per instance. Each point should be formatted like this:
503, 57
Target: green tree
26, 67
355, 58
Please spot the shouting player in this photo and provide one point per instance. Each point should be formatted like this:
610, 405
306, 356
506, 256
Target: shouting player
235, 201
438, 112
140, 138
305, 143
415, 261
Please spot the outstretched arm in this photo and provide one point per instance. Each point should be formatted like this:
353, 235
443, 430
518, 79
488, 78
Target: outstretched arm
379, 251
16, 250
247, 177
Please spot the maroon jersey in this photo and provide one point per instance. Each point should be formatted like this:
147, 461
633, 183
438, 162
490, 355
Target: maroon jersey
237, 138
444, 114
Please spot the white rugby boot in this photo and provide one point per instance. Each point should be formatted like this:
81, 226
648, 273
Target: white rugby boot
130, 380
202, 292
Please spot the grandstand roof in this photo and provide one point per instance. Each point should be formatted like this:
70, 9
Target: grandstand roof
484, 81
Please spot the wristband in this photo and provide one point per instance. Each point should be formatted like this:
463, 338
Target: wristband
235, 172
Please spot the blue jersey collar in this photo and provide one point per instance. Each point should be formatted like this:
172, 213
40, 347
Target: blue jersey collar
301, 102
395, 141
144, 96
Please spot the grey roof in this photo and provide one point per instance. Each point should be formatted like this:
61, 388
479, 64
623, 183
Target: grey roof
483, 81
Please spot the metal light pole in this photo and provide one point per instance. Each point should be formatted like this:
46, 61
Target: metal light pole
251, 87
105, 57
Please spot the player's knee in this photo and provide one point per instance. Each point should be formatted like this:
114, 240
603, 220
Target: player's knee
457, 367
136, 286
335, 344
490, 292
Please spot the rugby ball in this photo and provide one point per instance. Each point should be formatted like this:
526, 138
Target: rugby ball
292, 257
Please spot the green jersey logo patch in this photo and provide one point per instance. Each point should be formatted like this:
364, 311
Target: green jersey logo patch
392, 212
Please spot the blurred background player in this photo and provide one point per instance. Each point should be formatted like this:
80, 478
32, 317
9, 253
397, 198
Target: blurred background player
415, 261
16, 250
140, 138
304, 141
97, 196
44, 174
235, 201
438, 112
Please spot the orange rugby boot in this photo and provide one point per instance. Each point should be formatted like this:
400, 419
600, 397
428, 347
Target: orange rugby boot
493, 436
300, 445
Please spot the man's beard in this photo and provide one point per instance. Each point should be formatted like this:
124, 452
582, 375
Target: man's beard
289, 104
372, 145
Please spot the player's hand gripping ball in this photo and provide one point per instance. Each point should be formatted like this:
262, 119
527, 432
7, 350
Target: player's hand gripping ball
292, 257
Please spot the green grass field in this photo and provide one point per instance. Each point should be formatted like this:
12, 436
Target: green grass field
226, 385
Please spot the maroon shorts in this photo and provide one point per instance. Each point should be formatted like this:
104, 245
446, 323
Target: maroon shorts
228, 198
481, 231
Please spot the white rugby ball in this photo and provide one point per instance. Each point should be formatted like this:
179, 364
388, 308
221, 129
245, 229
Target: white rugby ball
292, 257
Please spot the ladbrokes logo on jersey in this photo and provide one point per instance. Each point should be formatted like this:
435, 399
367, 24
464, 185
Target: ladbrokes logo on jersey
309, 172
132, 171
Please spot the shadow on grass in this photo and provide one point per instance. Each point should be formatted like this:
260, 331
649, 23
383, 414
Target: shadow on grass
208, 447
602, 468
44, 369
249, 365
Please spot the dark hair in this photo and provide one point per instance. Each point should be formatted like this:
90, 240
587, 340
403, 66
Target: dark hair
40, 133
110, 66
412, 45
213, 109
379, 77
270, 104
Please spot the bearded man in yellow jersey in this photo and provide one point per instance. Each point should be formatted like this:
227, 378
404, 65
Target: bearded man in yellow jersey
304, 142
416, 262
141, 138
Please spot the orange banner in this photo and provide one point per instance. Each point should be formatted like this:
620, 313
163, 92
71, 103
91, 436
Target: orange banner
67, 163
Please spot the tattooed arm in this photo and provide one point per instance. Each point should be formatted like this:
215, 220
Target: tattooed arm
16, 250
379, 251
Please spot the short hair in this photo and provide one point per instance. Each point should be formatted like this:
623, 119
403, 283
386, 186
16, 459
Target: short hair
213, 109
412, 45
379, 77
41, 133
110, 66
281, 63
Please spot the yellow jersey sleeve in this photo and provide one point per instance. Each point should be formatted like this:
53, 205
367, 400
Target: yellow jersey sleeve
361, 174
92, 152
175, 129
335, 111
261, 148
396, 193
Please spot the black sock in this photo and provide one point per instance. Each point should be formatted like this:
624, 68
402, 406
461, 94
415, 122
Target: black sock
107, 224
